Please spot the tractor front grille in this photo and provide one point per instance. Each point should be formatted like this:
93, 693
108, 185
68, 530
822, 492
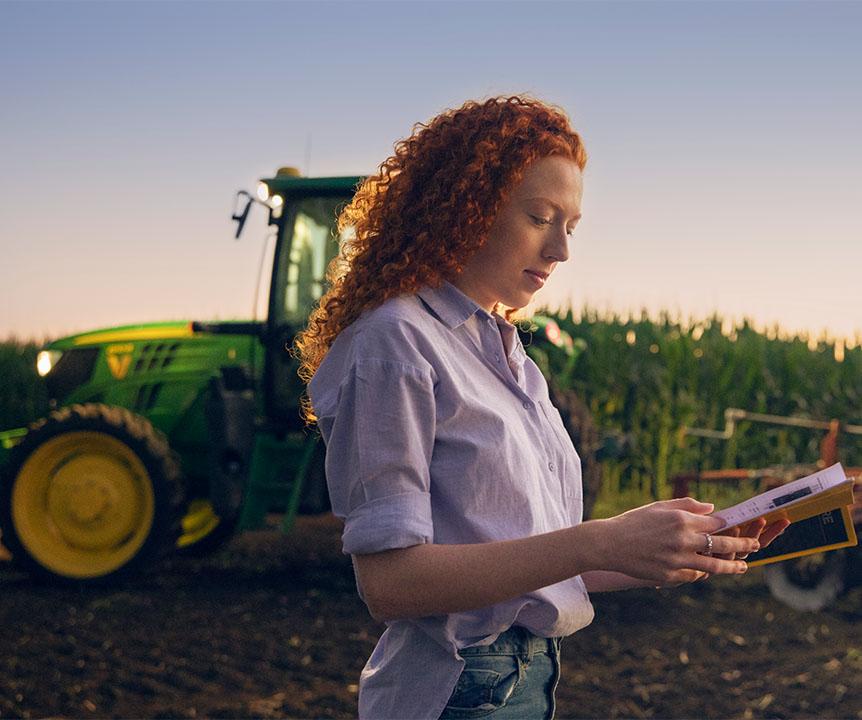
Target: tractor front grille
156, 356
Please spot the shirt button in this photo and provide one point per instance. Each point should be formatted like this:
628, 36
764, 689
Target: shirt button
528, 406
551, 466
497, 356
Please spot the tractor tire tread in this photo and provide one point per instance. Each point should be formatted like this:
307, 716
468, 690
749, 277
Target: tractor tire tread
125, 426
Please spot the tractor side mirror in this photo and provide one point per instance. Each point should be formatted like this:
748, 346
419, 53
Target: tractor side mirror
240, 214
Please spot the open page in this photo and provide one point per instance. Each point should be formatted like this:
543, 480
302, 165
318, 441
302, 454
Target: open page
783, 497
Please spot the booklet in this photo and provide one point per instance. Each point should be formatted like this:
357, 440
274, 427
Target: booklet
818, 507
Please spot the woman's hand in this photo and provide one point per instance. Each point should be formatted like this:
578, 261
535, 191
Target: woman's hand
758, 528
665, 542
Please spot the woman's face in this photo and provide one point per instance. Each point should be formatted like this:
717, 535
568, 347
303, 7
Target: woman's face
530, 235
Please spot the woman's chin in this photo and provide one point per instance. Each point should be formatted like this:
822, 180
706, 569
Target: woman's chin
520, 299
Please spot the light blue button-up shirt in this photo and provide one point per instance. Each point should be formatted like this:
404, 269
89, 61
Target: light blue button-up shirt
439, 429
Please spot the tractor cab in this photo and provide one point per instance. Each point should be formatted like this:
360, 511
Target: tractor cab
266, 459
304, 212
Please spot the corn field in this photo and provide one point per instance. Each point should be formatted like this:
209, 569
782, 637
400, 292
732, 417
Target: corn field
648, 378
23, 397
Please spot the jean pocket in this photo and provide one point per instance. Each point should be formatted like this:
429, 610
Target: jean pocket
486, 683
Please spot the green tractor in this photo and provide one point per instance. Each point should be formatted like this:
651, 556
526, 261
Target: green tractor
173, 436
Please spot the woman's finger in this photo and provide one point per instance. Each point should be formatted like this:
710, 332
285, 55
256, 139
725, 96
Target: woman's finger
733, 532
704, 523
763, 532
753, 529
773, 531
750, 530
717, 566
682, 577
724, 546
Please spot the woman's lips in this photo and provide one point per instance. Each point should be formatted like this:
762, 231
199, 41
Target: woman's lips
537, 277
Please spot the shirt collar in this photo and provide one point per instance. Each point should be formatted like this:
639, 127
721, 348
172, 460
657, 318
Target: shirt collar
509, 333
452, 306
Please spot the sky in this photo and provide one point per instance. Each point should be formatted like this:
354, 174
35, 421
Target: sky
724, 143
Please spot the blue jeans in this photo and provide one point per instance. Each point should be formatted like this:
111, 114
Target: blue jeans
513, 678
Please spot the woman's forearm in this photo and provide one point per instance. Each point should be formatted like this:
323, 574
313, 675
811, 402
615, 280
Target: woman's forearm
437, 579
607, 581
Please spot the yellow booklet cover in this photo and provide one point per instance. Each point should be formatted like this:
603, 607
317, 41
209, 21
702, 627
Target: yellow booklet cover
818, 507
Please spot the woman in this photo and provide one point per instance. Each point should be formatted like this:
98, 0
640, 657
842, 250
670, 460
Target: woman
459, 487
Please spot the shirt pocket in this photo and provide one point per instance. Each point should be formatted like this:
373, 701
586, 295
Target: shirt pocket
555, 421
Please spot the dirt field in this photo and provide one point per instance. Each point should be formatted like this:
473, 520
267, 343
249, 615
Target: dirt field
271, 627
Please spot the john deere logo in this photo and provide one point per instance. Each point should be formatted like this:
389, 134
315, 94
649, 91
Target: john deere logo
119, 359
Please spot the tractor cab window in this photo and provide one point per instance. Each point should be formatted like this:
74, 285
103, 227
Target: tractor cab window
312, 241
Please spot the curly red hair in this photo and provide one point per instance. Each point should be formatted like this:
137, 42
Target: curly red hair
429, 207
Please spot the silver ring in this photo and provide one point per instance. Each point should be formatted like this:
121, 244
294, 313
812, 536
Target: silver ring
708, 550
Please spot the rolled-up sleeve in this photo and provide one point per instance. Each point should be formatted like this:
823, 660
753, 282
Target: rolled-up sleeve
380, 438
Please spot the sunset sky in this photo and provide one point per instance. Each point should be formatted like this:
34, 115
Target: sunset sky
725, 168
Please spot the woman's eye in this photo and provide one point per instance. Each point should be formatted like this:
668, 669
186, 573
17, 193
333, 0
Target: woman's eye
540, 220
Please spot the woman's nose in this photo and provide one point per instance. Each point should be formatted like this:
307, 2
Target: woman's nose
558, 247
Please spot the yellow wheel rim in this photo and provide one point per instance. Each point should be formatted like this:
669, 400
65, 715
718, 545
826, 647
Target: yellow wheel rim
83, 504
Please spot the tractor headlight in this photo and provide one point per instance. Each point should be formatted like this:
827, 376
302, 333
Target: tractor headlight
46, 360
262, 192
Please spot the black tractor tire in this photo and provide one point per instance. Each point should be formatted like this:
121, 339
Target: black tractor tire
92, 493
809, 583
211, 517
314, 501
579, 423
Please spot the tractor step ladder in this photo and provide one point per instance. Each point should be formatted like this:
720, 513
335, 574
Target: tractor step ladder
278, 470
